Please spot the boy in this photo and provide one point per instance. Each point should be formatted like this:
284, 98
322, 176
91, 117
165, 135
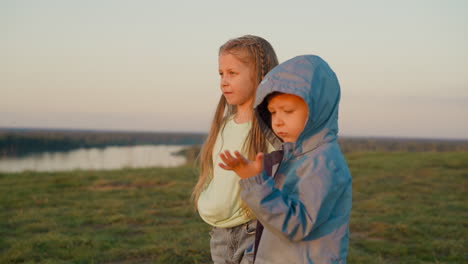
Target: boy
305, 205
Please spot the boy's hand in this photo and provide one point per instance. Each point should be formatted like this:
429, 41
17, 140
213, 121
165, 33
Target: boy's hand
243, 167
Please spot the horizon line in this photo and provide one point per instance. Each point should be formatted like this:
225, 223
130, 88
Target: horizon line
97, 130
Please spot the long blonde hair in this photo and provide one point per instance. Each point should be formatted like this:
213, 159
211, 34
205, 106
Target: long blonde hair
261, 55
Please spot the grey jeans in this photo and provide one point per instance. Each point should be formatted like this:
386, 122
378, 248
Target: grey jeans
233, 245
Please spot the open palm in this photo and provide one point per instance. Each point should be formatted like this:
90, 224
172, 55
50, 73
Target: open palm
243, 167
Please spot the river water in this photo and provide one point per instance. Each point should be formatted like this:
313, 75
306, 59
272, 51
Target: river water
97, 159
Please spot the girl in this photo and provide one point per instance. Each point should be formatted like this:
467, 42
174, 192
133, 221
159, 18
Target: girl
243, 62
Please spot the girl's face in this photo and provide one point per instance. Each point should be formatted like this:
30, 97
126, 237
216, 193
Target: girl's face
237, 82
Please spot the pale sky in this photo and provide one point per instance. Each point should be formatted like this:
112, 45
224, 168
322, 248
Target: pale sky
152, 65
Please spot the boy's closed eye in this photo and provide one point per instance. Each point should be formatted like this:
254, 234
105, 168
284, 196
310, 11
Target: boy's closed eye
287, 111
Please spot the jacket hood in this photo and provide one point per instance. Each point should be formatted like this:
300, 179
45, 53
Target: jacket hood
312, 79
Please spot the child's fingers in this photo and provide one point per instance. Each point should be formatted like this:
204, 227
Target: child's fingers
229, 156
240, 158
259, 161
259, 157
223, 166
224, 158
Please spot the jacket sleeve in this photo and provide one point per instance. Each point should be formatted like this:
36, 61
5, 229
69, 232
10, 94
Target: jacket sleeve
295, 215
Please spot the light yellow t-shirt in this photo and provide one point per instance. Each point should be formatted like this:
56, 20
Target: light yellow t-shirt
220, 204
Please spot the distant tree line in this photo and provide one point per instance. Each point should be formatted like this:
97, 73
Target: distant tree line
20, 142
24, 142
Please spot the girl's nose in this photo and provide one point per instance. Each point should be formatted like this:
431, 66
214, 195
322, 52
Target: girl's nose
224, 81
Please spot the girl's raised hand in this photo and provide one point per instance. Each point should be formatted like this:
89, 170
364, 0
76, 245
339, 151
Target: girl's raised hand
243, 167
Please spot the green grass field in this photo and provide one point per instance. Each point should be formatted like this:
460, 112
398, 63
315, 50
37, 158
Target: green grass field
407, 208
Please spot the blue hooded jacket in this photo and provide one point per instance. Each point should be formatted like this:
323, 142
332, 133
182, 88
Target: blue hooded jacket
305, 207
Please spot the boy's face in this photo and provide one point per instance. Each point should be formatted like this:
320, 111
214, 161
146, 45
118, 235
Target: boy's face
289, 115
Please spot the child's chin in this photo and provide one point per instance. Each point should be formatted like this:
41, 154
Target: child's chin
231, 102
286, 140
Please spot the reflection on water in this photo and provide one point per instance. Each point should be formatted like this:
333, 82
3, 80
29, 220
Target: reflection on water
98, 159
